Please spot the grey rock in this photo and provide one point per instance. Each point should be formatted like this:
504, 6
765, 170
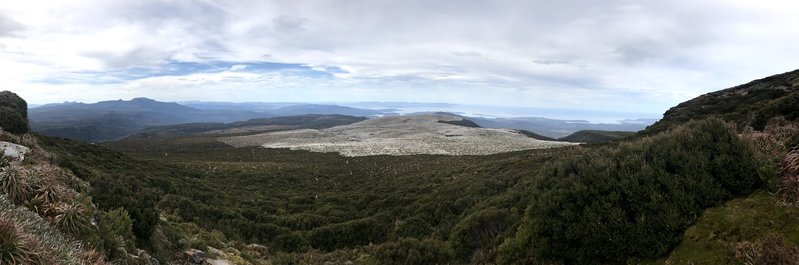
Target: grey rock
195, 256
13, 151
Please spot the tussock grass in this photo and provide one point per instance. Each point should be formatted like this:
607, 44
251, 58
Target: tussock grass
14, 248
13, 185
48, 244
789, 179
72, 218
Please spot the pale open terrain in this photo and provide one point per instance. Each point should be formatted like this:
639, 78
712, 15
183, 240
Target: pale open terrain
397, 135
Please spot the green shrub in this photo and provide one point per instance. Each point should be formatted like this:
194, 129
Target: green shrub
480, 229
414, 251
116, 232
290, 242
414, 227
634, 199
351, 233
13, 113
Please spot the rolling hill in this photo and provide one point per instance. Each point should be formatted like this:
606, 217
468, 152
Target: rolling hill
110, 120
260, 125
596, 136
751, 104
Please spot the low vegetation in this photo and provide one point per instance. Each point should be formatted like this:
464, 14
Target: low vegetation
634, 199
752, 104
13, 113
594, 136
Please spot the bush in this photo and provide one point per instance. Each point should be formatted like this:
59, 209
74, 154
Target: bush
414, 227
122, 191
291, 242
480, 229
414, 251
347, 234
115, 232
634, 199
13, 113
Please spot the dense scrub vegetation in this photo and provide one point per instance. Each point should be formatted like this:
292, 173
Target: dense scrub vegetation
752, 104
298, 201
595, 136
634, 199
13, 113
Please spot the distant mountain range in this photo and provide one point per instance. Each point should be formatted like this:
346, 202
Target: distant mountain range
112, 120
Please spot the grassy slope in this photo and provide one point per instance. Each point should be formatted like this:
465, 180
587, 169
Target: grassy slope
721, 231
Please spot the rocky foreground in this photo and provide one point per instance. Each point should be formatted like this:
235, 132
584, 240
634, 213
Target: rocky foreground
398, 135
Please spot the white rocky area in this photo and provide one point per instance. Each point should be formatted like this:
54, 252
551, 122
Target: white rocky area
13, 151
398, 135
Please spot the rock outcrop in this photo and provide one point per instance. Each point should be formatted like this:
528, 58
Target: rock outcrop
13, 152
195, 256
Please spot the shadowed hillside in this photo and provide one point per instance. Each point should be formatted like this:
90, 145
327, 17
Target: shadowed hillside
594, 136
751, 104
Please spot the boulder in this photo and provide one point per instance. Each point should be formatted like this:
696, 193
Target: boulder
13, 151
216, 252
195, 256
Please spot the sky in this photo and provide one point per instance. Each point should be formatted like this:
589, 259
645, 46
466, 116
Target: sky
614, 55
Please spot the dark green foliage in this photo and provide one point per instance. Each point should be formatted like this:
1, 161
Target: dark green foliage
787, 106
123, 191
115, 228
634, 199
752, 104
595, 136
112, 189
408, 251
351, 233
13, 113
290, 242
414, 227
479, 230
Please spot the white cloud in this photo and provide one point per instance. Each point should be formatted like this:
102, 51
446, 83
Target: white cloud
642, 56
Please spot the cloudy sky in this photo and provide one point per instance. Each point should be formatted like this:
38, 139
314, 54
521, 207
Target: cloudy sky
636, 56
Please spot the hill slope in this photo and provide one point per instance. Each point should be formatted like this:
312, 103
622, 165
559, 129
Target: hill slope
596, 136
751, 104
110, 120
308, 121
